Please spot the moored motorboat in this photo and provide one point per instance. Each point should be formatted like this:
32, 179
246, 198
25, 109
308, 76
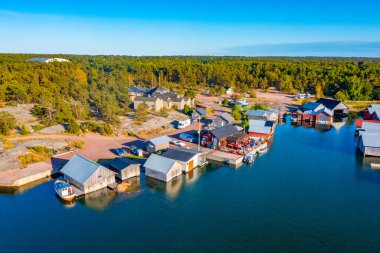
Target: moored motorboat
249, 158
64, 190
263, 149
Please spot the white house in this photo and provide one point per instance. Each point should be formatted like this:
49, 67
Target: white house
188, 158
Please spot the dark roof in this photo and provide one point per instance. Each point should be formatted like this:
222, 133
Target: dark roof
269, 123
121, 163
137, 89
141, 98
226, 117
329, 103
158, 89
224, 131
180, 154
235, 137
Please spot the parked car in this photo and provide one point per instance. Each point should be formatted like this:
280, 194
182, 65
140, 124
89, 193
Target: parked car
120, 151
178, 143
187, 137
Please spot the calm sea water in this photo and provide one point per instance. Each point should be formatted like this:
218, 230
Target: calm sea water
310, 193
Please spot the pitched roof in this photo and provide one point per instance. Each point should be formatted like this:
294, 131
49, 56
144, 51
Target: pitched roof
371, 139
329, 103
311, 106
311, 112
146, 99
235, 137
121, 163
260, 113
226, 116
370, 127
159, 163
374, 109
260, 126
80, 168
181, 154
201, 111
325, 110
137, 89
224, 131
160, 140
158, 89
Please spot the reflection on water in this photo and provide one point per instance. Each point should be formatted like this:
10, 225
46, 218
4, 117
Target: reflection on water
171, 188
101, 199
174, 187
98, 200
23, 188
366, 161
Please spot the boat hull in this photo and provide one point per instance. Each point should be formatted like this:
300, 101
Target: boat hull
67, 197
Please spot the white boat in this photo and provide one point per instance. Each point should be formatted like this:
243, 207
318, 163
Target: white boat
249, 158
263, 149
64, 190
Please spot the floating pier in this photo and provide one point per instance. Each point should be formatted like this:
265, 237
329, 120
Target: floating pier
224, 157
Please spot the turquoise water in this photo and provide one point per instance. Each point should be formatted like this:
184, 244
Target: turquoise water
310, 193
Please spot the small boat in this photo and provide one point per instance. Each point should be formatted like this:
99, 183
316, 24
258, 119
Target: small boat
263, 149
249, 158
375, 165
64, 190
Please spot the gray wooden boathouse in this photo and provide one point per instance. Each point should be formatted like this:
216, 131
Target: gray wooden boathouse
86, 175
124, 168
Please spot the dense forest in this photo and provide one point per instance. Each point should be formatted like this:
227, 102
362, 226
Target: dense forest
98, 85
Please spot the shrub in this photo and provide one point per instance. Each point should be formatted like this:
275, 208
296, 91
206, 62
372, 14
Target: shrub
141, 113
164, 112
187, 110
259, 106
24, 130
236, 115
252, 94
73, 127
37, 127
76, 144
7, 122
305, 101
105, 129
340, 95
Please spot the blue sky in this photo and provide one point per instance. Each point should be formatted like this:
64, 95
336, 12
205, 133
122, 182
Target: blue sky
251, 28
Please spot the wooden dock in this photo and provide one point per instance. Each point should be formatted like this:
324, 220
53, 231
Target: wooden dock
77, 191
257, 148
112, 186
224, 157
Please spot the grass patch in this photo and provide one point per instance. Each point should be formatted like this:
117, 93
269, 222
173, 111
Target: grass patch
35, 155
76, 144
359, 105
6, 143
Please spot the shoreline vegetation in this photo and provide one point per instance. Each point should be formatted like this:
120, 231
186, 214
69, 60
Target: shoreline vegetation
90, 93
